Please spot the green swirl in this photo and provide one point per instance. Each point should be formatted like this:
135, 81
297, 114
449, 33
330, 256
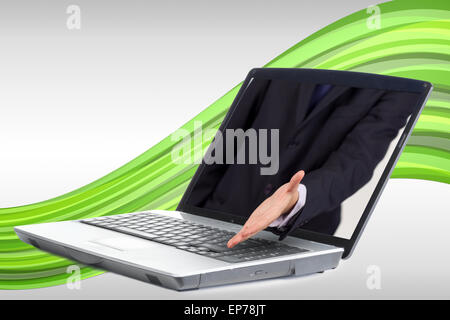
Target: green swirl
413, 41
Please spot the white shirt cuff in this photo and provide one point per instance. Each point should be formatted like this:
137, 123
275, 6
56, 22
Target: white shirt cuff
284, 218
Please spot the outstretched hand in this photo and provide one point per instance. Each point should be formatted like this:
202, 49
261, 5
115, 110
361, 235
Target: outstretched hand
282, 201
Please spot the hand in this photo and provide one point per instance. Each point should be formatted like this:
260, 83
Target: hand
282, 201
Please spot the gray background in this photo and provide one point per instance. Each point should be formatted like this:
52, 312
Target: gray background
78, 104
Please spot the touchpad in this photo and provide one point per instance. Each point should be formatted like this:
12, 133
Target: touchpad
123, 243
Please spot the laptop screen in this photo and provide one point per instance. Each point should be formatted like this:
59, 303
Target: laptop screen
342, 137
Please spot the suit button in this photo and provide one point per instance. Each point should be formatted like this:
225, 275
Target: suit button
268, 189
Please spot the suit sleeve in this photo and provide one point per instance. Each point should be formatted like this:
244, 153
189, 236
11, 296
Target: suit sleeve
351, 165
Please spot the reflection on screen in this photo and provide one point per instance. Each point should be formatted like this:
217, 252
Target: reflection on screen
342, 137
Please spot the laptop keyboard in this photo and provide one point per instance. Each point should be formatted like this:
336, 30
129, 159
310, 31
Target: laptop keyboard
193, 237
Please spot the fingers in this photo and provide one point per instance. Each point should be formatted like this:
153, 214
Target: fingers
295, 180
234, 241
242, 235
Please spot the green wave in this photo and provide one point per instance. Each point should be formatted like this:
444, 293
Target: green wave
413, 41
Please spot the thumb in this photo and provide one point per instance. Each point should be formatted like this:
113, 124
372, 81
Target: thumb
295, 180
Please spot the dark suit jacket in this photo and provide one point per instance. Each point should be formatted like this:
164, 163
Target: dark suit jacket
338, 143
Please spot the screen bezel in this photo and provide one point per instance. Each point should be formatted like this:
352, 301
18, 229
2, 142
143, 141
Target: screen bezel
333, 77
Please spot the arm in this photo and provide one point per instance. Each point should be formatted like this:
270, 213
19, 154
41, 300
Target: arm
345, 171
351, 166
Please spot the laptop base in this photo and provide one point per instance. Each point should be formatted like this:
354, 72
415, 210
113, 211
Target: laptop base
266, 269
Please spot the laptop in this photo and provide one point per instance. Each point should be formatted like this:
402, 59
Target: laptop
345, 129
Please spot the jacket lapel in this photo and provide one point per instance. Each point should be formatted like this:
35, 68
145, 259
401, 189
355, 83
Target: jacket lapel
303, 99
334, 93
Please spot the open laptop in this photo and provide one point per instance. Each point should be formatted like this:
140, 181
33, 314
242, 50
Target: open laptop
346, 130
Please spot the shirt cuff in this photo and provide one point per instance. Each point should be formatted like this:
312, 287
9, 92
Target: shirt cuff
284, 218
